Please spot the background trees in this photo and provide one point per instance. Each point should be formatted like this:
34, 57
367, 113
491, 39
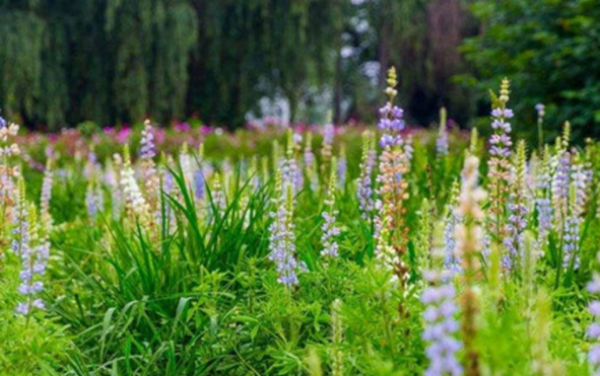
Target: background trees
111, 61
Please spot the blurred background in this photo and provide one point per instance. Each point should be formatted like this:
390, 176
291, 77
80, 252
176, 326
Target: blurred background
231, 62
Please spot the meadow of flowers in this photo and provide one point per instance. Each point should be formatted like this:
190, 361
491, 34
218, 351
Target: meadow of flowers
301, 251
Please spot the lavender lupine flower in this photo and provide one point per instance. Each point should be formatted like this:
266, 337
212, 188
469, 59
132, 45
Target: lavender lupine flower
328, 134
365, 180
390, 227
514, 242
34, 264
282, 238
441, 326
499, 163
391, 122
452, 261
94, 199
543, 203
573, 222
571, 242
441, 143
289, 166
593, 331
517, 210
329, 228
560, 188
199, 185
45, 197
33, 261
147, 148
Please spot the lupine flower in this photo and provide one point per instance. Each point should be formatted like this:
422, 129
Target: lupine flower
135, 204
33, 259
572, 225
441, 326
499, 162
365, 180
542, 200
113, 179
310, 165
282, 239
45, 197
20, 221
391, 230
560, 188
147, 148
291, 172
329, 228
441, 143
327, 147
451, 260
9, 176
94, 199
517, 219
571, 242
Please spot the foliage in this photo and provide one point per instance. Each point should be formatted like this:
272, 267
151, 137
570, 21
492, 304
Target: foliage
548, 49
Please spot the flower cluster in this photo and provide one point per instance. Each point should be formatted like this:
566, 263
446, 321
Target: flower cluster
392, 191
329, 227
542, 200
34, 253
499, 163
365, 180
282, 239
517, 219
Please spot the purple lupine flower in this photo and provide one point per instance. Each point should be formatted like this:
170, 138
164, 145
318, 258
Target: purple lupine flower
452, 261
199, 182
571, 242
364, 189
440, 325
34, 260
282, 239
543, 203
514, 242
329, 228
560, 187
147, 148
309, 157
94, 200
330, 232
328, 134
391, 122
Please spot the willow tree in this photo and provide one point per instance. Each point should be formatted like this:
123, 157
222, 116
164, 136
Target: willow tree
21, 45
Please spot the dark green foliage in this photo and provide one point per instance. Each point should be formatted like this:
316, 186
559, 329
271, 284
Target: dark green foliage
549, 49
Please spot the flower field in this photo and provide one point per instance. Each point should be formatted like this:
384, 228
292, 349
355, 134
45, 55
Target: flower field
316, 250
